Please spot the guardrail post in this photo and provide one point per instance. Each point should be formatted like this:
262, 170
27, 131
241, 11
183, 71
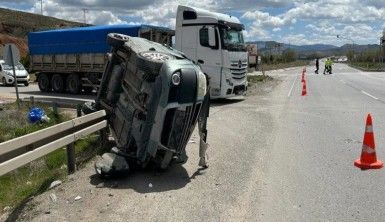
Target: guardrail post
79, 110
32, 100
71, 165
54, 109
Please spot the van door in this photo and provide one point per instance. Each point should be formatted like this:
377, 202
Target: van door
210, 58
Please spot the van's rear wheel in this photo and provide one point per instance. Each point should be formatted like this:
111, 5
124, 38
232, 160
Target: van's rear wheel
150, 63
57, 83
44, 82
73, 84
116, 40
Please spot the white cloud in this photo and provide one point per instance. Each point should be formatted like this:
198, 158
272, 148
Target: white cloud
321, 20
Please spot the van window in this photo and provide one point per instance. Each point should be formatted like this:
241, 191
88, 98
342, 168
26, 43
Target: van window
189, 15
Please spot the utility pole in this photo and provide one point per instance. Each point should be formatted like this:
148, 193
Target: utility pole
84, 13
41, 7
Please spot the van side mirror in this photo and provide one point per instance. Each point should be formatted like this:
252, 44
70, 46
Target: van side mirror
211, 31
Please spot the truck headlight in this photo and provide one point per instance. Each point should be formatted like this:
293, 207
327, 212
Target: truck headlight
202, 84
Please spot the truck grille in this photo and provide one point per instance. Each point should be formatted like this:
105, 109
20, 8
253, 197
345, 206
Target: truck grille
178, 126
238, 70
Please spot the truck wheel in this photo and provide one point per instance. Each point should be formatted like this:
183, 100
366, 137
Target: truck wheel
116, 40
57, 83
73, 84
44, 82
150, 63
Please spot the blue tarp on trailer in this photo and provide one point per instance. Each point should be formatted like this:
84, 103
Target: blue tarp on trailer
90, 39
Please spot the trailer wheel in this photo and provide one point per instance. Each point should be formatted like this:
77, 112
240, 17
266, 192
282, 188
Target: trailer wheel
57, 83
150, 63
116, 40
73, 84
44, 82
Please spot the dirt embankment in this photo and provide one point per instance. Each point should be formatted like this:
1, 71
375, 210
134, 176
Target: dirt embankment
15, 26
19, 42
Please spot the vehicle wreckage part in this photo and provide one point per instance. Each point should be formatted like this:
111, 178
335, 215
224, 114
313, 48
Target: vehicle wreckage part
111, 164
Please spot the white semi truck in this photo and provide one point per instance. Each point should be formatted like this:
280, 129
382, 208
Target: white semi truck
215, 42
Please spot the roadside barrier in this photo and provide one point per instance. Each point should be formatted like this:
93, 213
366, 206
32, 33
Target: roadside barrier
368, 159
22, 150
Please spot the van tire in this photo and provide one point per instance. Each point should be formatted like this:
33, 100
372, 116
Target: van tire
44, 82
116, 40
151, 62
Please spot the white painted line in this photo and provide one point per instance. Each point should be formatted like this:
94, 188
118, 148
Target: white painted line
292, 86
369, 95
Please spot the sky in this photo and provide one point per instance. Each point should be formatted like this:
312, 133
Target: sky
298, 22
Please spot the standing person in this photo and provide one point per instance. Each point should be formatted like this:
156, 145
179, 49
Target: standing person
316, 66
327, 64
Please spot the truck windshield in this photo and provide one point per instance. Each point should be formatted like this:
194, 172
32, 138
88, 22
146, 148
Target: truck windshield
232, 39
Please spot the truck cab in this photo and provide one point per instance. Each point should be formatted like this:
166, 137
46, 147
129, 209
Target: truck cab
215, 42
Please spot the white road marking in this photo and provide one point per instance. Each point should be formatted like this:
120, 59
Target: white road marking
292, 86
369, 95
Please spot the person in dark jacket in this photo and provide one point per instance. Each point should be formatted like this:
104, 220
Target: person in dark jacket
316, 66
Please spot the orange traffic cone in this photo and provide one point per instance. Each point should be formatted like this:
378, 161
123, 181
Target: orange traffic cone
368, 158
304, 88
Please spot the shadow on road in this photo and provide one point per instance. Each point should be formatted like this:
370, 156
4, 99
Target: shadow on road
64, 95
224, 102
150, 181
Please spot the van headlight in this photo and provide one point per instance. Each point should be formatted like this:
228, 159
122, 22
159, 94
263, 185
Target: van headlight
202, 84
175, 79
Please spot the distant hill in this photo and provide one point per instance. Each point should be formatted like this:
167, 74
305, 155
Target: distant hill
15, 26
303, 50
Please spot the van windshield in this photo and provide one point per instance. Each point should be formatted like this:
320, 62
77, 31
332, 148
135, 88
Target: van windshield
232, 39
19, 66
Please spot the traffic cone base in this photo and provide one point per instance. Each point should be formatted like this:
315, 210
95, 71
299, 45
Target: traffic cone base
376, 165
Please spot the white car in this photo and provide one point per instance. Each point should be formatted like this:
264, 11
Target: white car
6, 74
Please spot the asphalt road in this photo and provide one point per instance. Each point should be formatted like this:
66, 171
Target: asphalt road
25, 92
275, 156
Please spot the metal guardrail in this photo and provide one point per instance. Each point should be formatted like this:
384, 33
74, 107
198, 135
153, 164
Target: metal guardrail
20, 151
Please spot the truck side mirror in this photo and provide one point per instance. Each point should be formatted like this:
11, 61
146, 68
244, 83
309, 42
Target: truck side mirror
211, 31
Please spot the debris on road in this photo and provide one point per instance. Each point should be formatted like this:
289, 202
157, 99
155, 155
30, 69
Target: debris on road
78, 198
55, 184
37, 115
53, 197
111, 164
